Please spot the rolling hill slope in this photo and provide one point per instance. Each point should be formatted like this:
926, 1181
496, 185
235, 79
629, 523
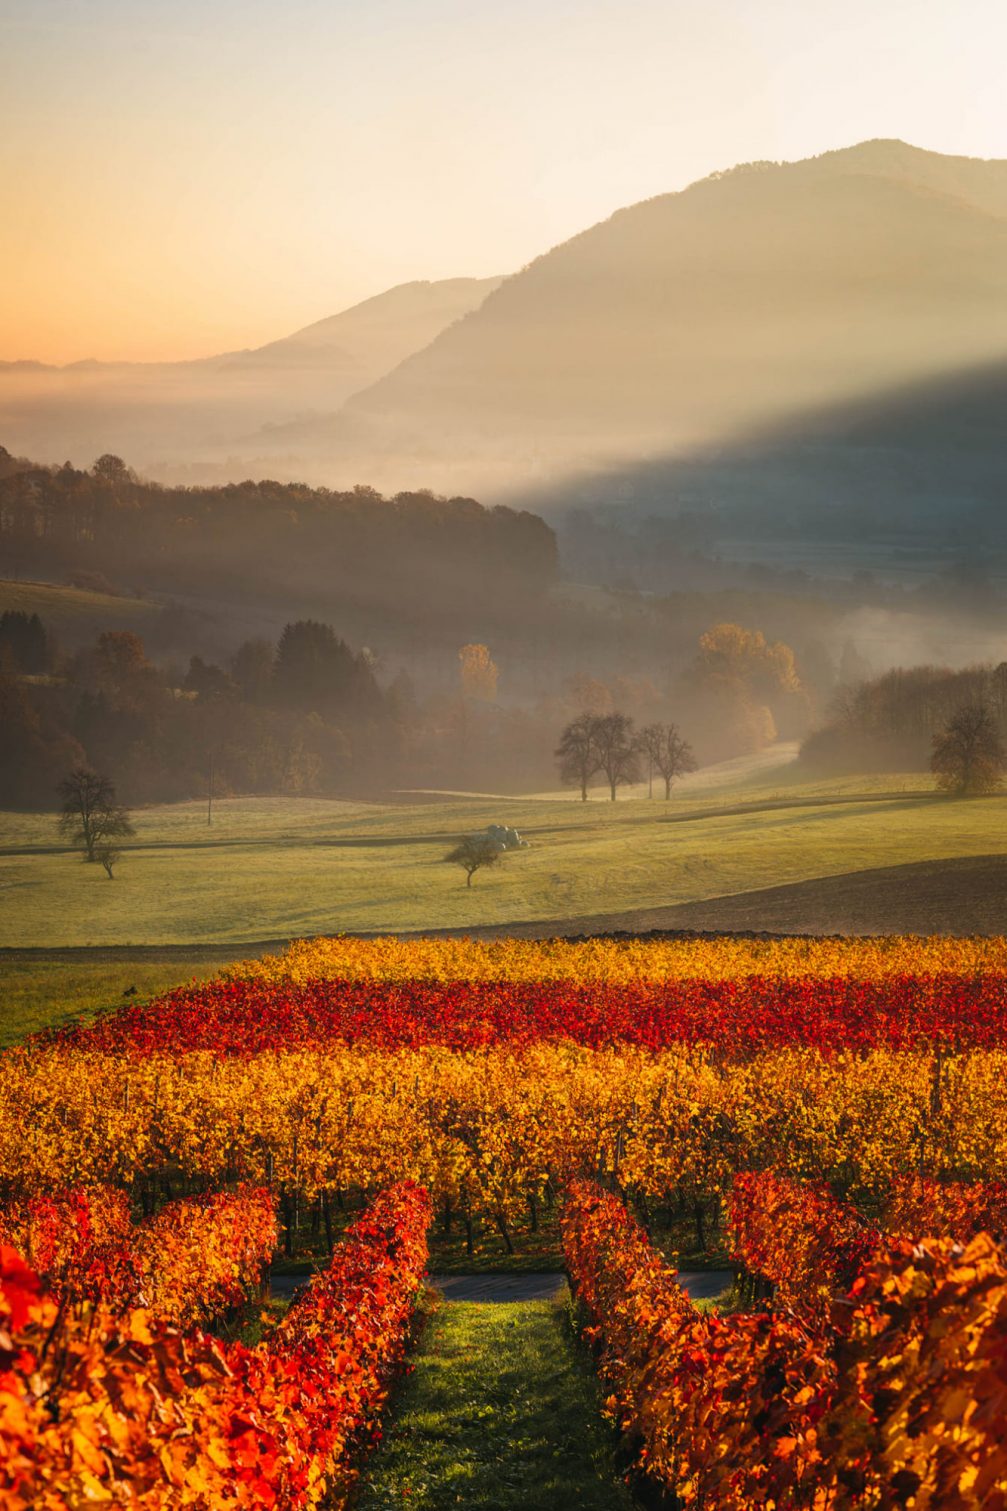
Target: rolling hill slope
746, 299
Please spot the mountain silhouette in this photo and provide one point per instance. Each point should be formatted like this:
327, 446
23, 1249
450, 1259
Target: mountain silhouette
740, 302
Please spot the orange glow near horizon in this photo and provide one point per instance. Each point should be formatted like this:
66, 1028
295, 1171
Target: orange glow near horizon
191, 178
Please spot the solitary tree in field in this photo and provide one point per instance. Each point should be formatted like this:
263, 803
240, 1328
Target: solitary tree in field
108, 856
473, 853
90, 816
666, 752
616, 750
577, 753
968, 756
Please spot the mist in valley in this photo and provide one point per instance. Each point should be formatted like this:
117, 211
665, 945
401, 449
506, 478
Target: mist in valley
710, 464
503, 755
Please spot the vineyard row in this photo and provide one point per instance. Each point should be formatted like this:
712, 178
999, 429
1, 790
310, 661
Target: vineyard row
119, 1408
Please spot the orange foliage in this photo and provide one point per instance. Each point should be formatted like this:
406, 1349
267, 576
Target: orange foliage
124, 1411
797, 1235
897, 1399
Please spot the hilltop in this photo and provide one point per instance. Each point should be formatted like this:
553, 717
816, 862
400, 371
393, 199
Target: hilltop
751, 297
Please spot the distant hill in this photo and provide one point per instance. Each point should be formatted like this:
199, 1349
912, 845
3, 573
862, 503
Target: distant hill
378, 334
684, 321
167, 416
73, 614
802, 349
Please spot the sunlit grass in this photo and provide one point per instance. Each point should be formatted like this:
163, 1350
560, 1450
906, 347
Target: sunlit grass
75, 610
39, 991
501, 1411
271, 869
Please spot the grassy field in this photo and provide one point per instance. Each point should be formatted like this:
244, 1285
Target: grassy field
43, 990
74, 613
272, 869
500, 1411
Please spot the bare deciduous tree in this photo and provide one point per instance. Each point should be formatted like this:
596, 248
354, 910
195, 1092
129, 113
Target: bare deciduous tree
616, 750
667, 753
577, 755
108, 856
90, 816
473, 853
968, 755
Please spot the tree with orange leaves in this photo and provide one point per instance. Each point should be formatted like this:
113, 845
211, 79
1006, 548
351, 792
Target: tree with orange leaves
478, 673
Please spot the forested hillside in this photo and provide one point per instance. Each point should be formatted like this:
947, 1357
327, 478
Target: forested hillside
411, 557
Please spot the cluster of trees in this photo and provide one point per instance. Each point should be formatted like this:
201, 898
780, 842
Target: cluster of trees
747, 687
891, 722
25, 646
308, 713
737, 693
303, 715
412, 558
607, 746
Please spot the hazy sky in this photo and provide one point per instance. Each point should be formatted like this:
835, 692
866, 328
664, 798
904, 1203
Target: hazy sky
186, 176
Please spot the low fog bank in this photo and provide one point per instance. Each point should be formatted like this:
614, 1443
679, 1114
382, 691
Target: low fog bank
214, 420
436, 642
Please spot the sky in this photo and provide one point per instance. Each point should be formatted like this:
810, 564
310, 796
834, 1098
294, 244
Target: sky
182, 177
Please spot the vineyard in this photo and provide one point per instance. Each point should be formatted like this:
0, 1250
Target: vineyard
829, 1117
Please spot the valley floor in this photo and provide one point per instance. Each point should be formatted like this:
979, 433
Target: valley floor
760, 852
274, 869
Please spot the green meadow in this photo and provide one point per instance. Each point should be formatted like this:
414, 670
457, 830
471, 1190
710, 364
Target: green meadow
272, 869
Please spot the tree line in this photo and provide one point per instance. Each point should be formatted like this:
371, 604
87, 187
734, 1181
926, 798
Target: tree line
310, 713
921, 718
414, 556
303, 714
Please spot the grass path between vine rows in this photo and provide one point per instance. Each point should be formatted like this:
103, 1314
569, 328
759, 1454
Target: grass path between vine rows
501, 1413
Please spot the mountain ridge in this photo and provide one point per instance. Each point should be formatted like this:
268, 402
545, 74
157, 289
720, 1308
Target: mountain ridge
476, 286
784, 285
